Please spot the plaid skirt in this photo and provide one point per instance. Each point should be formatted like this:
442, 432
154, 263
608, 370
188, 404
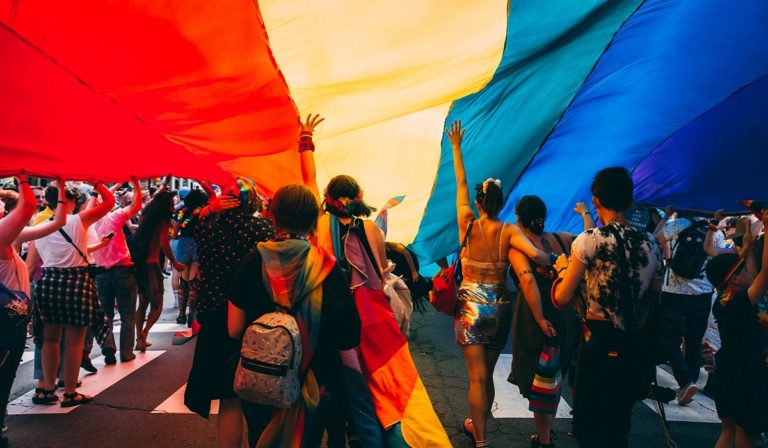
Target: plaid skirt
67, 296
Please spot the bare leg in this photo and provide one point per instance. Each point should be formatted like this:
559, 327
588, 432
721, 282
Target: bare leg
474, 356
51, 355
491, 357
155, 302
543, 426
141, 313
230, 423
743, 440
727, 434
73, 355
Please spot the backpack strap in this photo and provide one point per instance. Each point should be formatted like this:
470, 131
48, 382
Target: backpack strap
560, 242
69, 240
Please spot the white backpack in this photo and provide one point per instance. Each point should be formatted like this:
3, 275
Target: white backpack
270, 360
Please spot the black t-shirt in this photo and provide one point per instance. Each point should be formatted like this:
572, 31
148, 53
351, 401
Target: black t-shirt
339, 320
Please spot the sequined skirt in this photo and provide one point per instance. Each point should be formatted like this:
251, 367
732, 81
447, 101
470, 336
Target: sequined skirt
484, 315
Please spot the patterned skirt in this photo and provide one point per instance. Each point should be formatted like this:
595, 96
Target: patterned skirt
484, 315
67, 296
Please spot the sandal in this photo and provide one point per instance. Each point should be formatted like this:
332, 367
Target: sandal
43, 396
536, 444
75, 399
469, 428
60, 384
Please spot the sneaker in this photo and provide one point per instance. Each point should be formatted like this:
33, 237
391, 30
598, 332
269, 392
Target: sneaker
5, 429
685, 394
110, 360
87, 365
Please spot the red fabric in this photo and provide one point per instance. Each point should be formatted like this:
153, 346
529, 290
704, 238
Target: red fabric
166, 79
380, 337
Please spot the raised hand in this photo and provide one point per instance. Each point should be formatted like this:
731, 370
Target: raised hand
22, 177
309, 125
455, 133
581, 208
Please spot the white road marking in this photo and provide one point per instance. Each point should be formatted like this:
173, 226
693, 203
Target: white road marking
701, 410
92, 384
175, 404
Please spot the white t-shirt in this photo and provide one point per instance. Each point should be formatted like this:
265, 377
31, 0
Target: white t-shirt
56, 252
672, 282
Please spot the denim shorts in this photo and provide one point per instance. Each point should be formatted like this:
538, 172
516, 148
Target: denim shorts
184, 249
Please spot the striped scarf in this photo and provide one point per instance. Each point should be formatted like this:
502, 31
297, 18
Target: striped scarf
293, 272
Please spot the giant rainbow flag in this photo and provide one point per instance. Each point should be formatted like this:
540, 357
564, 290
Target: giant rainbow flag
549, 90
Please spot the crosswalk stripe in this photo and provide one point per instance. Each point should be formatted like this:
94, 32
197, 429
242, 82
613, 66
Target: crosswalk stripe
164, 327
157, 328
701, 410
509, 403
175, 404
92, 384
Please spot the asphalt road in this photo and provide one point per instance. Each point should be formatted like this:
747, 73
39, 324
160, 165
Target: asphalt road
139, 404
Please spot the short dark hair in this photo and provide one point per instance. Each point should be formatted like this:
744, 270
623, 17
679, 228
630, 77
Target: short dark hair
719, 267
613, 188
491, 200
294, 208
51, 196
532, 212
344, 186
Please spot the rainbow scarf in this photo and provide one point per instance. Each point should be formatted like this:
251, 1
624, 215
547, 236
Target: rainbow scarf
293, 270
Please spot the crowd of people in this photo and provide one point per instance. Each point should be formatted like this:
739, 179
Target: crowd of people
275, 289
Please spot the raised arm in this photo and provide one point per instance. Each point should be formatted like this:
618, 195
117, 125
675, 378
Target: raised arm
47, 227
710, 248
307, 154
12, 224
582, 209
530, 290
135, 206
163, 186
208, 189
90, 216
463, 209
760, 284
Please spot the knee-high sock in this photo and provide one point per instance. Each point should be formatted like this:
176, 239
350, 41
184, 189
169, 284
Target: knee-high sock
194, 290
183, 296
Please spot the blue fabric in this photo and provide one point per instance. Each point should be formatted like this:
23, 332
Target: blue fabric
714, 160
551, 46
670, 63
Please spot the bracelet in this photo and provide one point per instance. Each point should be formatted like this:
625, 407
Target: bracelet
712, 228
586, 213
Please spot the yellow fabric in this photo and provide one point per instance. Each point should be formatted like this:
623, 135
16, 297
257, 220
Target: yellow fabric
420, 425
42, 216
384, 75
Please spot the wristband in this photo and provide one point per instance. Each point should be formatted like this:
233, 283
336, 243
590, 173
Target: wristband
306, 144
305, 134
587, 213
712, 228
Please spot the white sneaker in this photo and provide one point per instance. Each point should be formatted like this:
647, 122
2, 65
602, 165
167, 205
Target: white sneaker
685, 394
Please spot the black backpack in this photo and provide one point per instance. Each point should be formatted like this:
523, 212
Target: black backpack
689, 256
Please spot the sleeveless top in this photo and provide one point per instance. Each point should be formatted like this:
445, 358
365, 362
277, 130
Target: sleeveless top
14, 274
486, 269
